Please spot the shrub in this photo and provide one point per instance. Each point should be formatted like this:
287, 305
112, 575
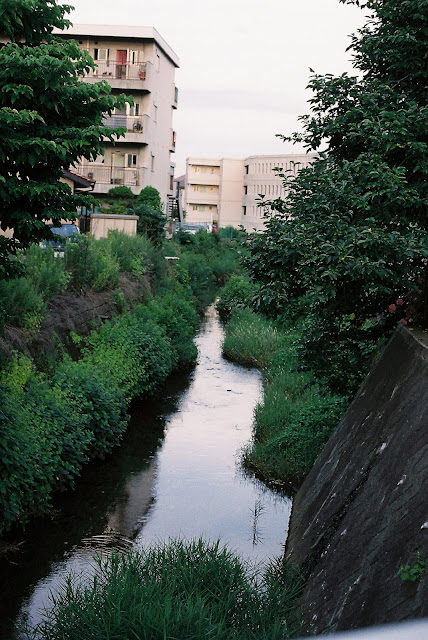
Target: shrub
44, 440
134, 253
151, 221
91, 265
201, 277
150, 197
45, 271
20, 304
236, 294
179, 590
121, 191
145, 345
179, 319
101, 403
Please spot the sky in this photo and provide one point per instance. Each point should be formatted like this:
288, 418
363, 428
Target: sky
244, 65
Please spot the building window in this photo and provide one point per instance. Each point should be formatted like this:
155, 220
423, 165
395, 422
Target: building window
101, 54
152, 163
246, 169
157, 61
245, 189
244, 211
131, 160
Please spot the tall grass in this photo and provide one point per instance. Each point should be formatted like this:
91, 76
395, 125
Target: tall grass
297, 416
177, 591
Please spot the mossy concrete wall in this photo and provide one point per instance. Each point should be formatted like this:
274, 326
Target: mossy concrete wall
363, 509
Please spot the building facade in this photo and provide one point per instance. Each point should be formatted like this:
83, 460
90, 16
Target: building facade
138, 62
228, 191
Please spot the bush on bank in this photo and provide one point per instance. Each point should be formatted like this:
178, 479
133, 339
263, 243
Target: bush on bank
297, 415
176, 590
51, 425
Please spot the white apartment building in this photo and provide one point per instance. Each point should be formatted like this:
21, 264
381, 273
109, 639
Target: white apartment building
227, 191
138, 62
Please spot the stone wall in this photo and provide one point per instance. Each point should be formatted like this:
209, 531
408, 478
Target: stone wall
363, 509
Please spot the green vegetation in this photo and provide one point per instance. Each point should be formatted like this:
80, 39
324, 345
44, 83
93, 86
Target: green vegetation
53, 421
49, 118
189, 591
237, 293
346, 253
297, 415
415, 571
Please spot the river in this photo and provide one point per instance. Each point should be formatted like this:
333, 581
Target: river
177, 473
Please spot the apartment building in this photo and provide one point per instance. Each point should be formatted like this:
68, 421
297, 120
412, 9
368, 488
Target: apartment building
138, 62
227, 191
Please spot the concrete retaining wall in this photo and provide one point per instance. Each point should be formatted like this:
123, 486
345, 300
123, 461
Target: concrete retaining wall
363, 509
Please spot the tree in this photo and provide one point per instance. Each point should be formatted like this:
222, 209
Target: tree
348, 248
152, 220
49, 119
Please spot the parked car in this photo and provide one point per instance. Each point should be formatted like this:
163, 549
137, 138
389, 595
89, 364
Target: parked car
63, 233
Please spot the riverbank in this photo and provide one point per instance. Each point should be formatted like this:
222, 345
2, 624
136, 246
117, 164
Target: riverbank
175, 474
64, 406
296, 416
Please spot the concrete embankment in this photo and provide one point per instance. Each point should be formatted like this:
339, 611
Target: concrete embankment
363, 509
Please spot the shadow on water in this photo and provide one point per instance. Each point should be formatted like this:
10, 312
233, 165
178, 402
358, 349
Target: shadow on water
176, 474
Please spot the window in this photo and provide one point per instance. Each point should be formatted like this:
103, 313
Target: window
152, 163
246, 169
245, 189
157, 61
131, 160
244, 211
135, 110
101, 54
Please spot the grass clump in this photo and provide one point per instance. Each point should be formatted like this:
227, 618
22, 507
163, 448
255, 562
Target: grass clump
251, 339
297, 415
188, 590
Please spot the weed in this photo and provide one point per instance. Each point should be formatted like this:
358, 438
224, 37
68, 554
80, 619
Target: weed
415, 571
187, 590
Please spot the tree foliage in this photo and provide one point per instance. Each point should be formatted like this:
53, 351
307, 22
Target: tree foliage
347, 250
49, 119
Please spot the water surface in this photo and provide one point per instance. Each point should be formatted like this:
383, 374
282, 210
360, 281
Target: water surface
176, 474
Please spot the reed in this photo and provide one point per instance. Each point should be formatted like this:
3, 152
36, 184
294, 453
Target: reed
180, 590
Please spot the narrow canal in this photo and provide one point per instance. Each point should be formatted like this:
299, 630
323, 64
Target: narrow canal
176, 474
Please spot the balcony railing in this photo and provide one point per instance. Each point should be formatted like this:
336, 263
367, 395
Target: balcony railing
135, 124
108, 174
128, 71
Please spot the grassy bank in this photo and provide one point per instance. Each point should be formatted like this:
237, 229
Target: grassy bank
297, 416
53, 421
190, 591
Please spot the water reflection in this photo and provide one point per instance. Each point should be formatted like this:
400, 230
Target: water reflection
176, 474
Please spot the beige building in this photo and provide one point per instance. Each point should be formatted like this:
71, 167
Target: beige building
138, 62
227, 191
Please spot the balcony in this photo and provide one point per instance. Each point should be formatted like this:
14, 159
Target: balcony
136, 126
108, 176
121, 76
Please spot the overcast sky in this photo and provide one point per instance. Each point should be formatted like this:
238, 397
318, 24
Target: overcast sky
244, 64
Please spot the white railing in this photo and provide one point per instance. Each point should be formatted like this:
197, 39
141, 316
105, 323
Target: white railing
128, 71
107, 174
135, 124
